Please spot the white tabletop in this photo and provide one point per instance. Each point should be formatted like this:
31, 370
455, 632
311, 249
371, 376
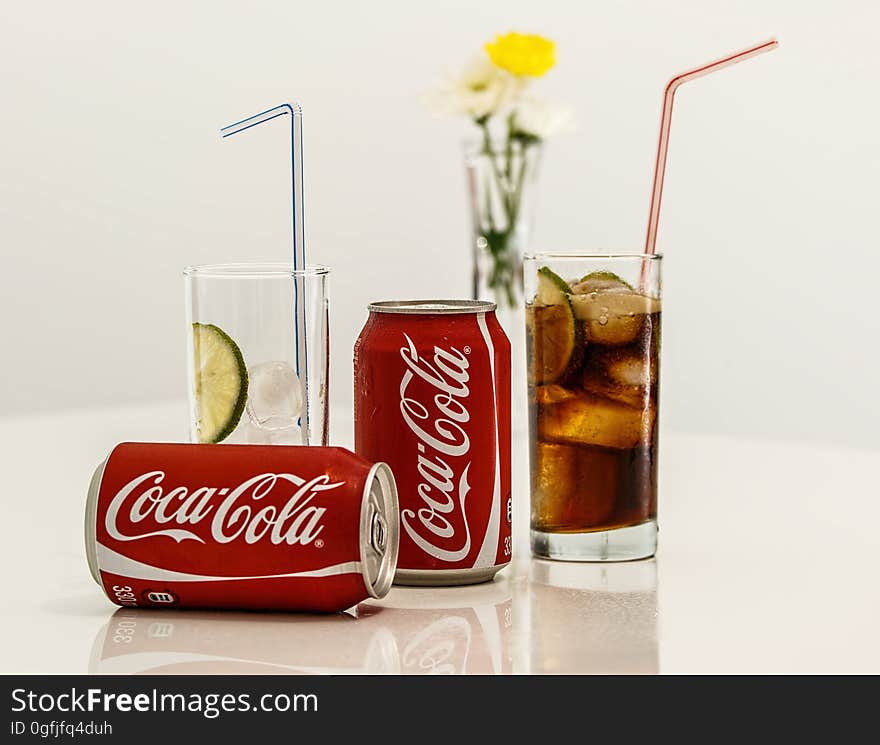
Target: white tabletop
768, 563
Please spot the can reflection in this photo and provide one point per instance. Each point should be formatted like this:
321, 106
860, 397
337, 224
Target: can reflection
204, 642
413, 631
611, 609
454, 630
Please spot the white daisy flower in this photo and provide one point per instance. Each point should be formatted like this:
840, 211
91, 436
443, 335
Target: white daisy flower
481, 89
535, 117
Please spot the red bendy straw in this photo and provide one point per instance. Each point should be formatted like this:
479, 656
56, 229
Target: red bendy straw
666, 120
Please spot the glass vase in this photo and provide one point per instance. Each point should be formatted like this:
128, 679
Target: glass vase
502, 178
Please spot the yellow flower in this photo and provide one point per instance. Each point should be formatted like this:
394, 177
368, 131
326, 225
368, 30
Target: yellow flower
522, 54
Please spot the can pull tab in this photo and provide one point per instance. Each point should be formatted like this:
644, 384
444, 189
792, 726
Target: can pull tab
378, 533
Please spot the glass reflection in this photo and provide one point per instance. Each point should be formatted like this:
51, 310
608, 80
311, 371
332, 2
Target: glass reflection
593, 618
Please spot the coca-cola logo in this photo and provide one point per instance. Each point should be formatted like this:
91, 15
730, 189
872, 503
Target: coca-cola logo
240, 513
438, 423
442, 648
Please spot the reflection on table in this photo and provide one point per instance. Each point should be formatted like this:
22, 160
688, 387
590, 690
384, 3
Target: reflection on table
413, 631
543, 617
593, 618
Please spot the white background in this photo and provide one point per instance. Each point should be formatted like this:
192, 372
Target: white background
114, 178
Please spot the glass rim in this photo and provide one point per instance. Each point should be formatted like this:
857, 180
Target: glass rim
551, 256
254, 270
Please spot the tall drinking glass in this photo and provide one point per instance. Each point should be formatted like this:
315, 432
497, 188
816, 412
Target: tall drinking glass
593, 346
256, 375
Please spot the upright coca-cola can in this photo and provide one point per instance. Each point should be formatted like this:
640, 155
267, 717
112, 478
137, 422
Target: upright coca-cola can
241, 526
432, 399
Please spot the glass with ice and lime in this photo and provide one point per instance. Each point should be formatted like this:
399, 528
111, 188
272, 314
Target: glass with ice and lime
256, 376
593, 345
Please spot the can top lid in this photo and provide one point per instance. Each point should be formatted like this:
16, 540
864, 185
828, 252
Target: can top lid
91, 520
431, 307
379, 530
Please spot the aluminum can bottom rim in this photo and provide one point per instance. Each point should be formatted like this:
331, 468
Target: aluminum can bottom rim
446, 577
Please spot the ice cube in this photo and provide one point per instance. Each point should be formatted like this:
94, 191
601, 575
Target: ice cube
590, 419
612, 318
624, 375
250, 433
573, 488
275, 399
631, 369
595, 381
552, 394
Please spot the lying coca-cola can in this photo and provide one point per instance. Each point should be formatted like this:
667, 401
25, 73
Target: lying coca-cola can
432, 399
241, 526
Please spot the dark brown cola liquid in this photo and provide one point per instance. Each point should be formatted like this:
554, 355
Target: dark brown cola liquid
594, 427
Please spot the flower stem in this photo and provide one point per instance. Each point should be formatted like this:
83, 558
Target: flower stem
509, 184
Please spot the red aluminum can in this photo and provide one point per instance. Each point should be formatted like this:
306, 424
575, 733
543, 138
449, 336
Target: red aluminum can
241, 526
432, 399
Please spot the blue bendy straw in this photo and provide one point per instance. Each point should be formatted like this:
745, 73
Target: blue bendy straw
293, 110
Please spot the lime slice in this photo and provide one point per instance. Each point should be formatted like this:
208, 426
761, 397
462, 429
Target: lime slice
555, 340
552, 289
601, 282
221, 382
